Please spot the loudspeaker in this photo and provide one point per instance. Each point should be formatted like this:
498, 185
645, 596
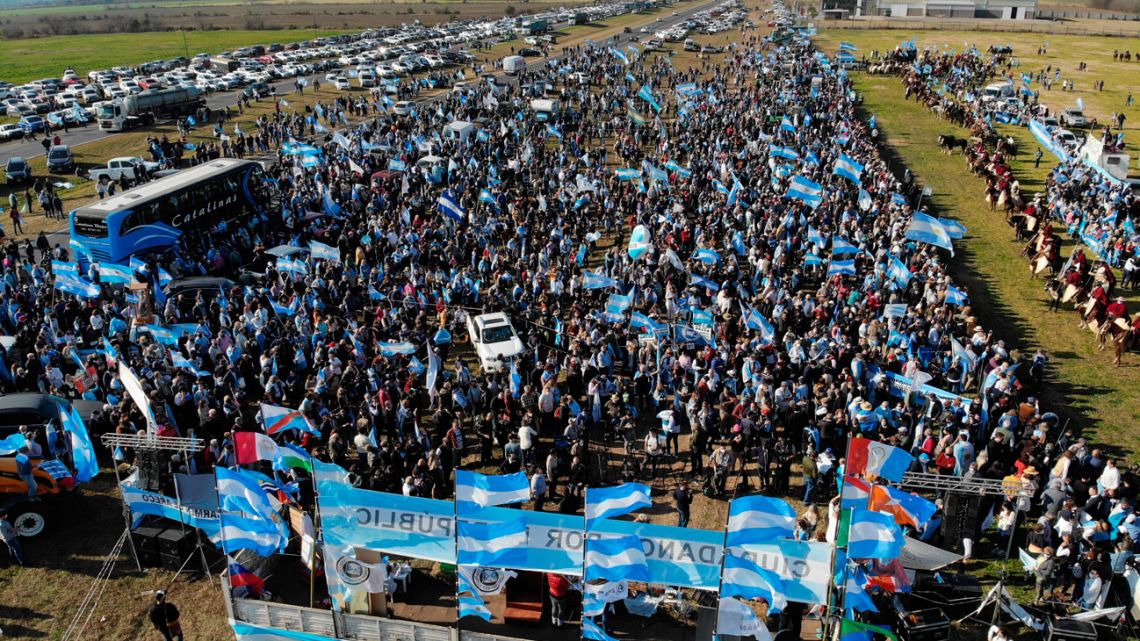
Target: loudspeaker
149, 558
146, 539
176, 542
172, 562
1069, 630
958, 594
961, 521
150, 465
924, 625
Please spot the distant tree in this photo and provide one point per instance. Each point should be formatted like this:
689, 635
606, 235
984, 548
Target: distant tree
511, 10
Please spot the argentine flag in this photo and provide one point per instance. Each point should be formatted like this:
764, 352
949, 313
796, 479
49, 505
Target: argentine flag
258, 535
492, 545
609, 502
554, 131
755, 320
873, 535
616, 559
645, 94
592, 280
695, 279
927, 229
620, 55
449, 206
591, 630
322, 251
898, 271
473, 606
239, 491
707, 256
786, 124
803, 189
955, 296
783, 152
683, 172
480, 490
846, 167
82, 451
743, 578
758, 518
840, 246
841, 268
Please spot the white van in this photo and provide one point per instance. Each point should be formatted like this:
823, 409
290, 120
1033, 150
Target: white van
367, 79
513, 64
458, 131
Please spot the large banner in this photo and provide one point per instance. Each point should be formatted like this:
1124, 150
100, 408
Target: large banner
392, 523
142, 502
804, 566
425, 529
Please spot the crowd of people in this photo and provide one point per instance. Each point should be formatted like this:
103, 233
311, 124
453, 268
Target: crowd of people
770, 361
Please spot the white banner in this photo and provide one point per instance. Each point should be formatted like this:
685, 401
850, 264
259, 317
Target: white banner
133, 387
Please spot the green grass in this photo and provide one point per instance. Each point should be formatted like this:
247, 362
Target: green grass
32, 58
1102, 401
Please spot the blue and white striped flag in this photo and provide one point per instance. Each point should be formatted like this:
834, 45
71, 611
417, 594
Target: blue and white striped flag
239, 491
786, 124
840, 246
492, 545
873, 535
927, 229
449, 206
324, 252
815, 237
257, 535
865, 200
736, 618
707, 256
743, 578
645, 94
482, 490
111, 273
783, 152
620, 55
758, 518
593, 280
473, 606
895, 310
616, 559
554, 131
848, 168
755, 320
841, 268
956, 230
683, 172
82, 451
608, 502
898, 271
697, 279
803, 189
955, 296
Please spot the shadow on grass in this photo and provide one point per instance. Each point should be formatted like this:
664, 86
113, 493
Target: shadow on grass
1075, 403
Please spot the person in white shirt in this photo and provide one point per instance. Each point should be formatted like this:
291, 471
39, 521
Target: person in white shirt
1110, 477
538, 489
526, 441
652, 452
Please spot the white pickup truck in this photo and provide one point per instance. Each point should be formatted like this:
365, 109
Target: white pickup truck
130, 166
494, 339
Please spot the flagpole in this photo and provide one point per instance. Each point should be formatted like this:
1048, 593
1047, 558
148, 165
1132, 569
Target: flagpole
720, 580
831, 587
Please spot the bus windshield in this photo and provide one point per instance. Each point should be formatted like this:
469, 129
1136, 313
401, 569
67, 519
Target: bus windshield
106, 111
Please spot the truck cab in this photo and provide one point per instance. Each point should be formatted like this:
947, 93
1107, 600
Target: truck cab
495, 341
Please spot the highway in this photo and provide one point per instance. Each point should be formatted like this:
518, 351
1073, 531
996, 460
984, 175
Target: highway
79, 136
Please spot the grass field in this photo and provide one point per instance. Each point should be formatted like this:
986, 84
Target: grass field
1102, 401
32, 58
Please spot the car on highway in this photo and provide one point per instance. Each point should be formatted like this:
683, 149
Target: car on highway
60, 159
257, 88
33, 124
17, 170
11, 131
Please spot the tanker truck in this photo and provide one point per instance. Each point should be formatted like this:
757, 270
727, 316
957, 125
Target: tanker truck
141, 109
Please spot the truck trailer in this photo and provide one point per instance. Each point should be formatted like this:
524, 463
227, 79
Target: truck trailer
140, 110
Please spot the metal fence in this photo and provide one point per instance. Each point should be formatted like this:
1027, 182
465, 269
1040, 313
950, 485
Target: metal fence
348, 626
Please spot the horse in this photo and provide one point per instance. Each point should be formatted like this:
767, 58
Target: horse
1121, 333
1008, 146
950, 143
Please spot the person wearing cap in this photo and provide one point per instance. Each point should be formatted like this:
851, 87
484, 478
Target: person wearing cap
164, 617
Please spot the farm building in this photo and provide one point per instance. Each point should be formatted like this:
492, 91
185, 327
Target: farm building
992, 9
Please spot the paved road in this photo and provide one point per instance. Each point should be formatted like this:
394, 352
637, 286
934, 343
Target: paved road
220, 100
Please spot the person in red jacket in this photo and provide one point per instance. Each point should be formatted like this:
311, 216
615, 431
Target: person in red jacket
559, 588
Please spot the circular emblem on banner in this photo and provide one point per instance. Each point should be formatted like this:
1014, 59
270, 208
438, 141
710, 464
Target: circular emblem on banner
488, 580
351, 571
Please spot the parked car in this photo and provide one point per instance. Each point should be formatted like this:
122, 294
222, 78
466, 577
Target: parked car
1074, 118
60, 159
33, 124
258, 88
130, 166
403, 108
17, 170
11, 131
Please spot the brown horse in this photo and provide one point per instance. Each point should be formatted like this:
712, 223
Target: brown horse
1122, 334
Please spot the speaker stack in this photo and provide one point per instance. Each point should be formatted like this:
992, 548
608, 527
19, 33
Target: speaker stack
174, 546
957, 594
145, 539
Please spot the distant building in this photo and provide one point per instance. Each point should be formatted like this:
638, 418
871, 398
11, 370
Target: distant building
995, 9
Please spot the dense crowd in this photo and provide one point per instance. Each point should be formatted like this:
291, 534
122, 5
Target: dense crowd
772, 363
